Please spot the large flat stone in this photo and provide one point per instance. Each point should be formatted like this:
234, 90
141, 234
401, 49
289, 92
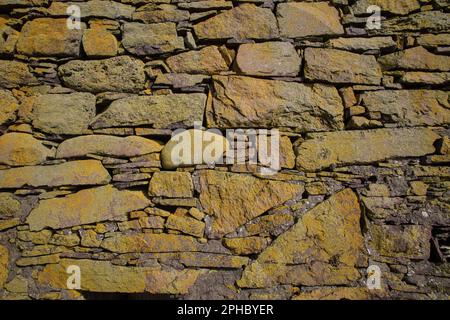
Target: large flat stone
249, 102
208, 60
268, 59
338, 66
362, 147
85, 207
234, 199
147, 39
21, 149
301, 256
123, 74
171, 184
85, 172
161, 111
409, 107
246, 21
102, 276
49, 37
63, 113
107, 145
300, 19
429, 21
417, 58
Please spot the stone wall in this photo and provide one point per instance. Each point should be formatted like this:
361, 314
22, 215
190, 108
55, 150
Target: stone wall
86, 116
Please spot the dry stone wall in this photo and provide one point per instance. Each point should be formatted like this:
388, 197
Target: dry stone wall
88, 180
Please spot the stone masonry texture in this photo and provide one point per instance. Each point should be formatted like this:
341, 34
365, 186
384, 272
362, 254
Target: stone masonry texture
89, 120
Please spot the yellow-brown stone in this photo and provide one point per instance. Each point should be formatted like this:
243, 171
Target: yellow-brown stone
20, 149
4, 265
171, 184
246, 246
99, 43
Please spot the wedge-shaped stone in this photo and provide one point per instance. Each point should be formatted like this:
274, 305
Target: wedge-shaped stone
50, 37
409, 107
147, 39
14, 74
8, 107
148, 242
359, 147
84, 172
208, 60
63, 113
395, 7
246, 21
249, 102
409, 241
161, 111
338, 66
86, 206
417, 58
302, 255
234, 199
268, 59
102, 276
94, 8
107, 145
298, 20
122, 74
20, 149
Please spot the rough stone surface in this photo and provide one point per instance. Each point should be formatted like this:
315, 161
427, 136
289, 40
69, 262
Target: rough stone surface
401, 7
298, 20
86, 206
360, 147
171, 185
268, 59
8, 107
342, 67
99, 43
124, 74
63, 113
165, 111
4, 265
14, 74
241, 198
417, 58
83, 172
248, 102
20, 149
208, 60
108, 146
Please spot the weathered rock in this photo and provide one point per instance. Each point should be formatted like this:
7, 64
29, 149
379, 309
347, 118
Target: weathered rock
186, 225
8, 224
433, 78
434, 39
147, 39
417, 58
234, 199
431, 21
268, 59
409, 241
122, 74
302, 255
8, 107
360, 147
152, 13
49, 37
171, 185
272, 224
337, 66
246, 246
208, 60
248, 102
4, 265
107, 145
207, 260
362, 44
14, 74
8, 40
409, 107
84, 172
161, 111
181, 149
180, 80
147, 242
9, 205
94, 8
401, 7
20, 149
68, 240
99, 43
298, 20
338, 293
63, 113
102, 276
86, 206
246, 21
35, 261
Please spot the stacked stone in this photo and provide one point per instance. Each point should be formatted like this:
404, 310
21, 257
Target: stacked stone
86, 114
